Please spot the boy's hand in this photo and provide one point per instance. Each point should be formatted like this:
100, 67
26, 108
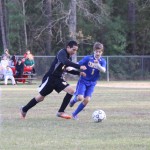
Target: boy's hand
96, 61
83, 74
83, 67
70, 68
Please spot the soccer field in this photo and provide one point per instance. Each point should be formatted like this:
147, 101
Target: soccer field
127, 127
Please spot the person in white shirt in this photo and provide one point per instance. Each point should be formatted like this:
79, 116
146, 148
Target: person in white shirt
9, 75
1, 72
4, 62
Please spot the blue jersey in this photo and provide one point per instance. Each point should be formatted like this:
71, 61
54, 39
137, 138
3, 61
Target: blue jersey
92, 73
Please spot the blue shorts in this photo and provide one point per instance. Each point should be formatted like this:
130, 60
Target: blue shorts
85, 88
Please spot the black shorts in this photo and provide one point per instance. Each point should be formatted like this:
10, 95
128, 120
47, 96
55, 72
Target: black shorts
52, 83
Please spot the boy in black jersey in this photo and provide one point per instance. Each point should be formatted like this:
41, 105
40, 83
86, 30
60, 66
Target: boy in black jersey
53, 80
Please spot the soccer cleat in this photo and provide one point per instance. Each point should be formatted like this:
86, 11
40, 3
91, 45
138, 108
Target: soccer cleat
63, 115
75, 117
23, 114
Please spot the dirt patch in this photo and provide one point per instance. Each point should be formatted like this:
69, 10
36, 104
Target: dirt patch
125, 84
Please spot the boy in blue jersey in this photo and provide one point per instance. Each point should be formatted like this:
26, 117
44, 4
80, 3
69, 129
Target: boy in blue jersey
85, 87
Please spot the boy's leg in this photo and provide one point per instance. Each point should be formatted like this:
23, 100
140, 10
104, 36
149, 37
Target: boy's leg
61, 112
80, 90
79, 108
31, 104
28, 106
63, 106
73, 100
44, 90
87, 95
6, 79
65, 102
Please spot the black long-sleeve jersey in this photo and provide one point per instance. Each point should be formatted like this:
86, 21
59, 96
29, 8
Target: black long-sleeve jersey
61, 61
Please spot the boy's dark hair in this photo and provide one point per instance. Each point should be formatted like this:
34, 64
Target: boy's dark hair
72, 43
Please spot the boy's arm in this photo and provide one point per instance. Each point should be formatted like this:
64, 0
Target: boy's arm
63, 58
100, 67
76, 72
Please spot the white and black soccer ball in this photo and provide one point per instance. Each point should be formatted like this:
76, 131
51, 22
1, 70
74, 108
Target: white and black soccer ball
98, 115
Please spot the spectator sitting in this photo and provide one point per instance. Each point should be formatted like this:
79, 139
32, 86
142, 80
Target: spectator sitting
27, 54
6, 54
4, 62
19, 68
1, 72
9, 75
29, 61
12, 62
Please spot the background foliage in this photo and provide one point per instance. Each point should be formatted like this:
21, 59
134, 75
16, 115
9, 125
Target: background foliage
122, 26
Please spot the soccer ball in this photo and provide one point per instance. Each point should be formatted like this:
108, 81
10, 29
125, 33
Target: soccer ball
98, 115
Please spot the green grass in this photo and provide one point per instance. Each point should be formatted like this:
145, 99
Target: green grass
127, 126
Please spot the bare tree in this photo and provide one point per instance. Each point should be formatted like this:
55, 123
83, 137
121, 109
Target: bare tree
72, 20
72, 23
56, 20
2, 24
59, 16
24, 22
47, 11
98, 16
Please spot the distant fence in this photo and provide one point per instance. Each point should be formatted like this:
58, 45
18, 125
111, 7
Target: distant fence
128, 68
118, 67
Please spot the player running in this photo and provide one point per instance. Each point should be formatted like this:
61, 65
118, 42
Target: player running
53, 80
85, 86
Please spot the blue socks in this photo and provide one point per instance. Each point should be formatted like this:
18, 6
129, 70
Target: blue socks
79, 108
75, 98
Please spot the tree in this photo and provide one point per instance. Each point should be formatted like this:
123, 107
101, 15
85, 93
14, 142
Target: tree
24, 22
114, 29
143, 27
44, 26
72, 23
132, 23
47, 12
2, 24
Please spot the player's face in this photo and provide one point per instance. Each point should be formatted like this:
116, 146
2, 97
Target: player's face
98, 53
72, 50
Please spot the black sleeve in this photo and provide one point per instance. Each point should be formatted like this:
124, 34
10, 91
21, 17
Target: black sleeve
62, 56
74, 72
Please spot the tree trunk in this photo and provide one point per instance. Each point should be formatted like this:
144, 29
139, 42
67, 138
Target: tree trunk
47, 6
2, 24
132, 19
72, 24
6, 21
24, 23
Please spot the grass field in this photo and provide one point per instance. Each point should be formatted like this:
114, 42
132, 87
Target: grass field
127, 106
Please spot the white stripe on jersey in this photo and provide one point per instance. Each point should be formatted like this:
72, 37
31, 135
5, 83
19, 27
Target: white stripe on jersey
43, 84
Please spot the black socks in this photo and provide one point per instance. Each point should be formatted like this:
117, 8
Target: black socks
63, 106
32, 103
65, 102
